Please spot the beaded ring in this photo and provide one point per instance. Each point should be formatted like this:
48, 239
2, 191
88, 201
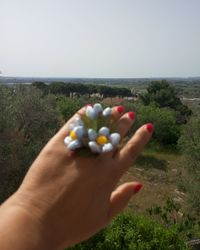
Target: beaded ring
93, 130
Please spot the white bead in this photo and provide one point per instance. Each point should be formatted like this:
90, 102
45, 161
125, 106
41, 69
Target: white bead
78, 121
67, 140
107, 147
115, 138
92, 134
74, 145
95, 148
104, 131
97, 108
107, 111
71, 126
90, 112
79, 130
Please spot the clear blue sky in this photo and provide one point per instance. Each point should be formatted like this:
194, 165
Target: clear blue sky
100, 38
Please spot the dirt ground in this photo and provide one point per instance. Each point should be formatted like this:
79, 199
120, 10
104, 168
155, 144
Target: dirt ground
160, 174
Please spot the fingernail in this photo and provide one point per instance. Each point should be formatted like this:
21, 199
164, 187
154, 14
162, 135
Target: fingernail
137, 187
149, 127
131, 115
120, 109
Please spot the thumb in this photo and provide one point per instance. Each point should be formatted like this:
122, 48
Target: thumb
121, 196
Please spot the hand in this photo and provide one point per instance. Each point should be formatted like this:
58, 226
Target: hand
71, 197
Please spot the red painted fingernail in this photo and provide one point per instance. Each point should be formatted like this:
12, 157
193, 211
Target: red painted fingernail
120, 109
137, 187
131, 115
149, 127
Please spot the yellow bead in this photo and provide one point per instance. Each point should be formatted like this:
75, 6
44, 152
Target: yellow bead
102, 140
73, 135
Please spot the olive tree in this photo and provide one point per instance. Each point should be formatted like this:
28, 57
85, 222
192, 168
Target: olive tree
27, 121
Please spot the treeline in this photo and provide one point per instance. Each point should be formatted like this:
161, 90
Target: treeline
78, 89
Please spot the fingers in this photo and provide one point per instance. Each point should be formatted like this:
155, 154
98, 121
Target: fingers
125, 123
127, 155
121, 196
117, 112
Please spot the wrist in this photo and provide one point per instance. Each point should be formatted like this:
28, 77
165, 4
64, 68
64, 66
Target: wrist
19, 229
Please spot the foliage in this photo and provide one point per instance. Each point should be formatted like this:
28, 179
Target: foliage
27, 122
134, 232
171, 215
164, 95
189, 144
68, 106
41, 86
166, 131
78, 89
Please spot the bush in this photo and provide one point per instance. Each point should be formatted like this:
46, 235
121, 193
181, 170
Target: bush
189, 144
27, 122
68, 106
130, 231
171, 214
166, 131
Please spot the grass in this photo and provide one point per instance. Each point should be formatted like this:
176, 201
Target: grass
150, 161
160, 171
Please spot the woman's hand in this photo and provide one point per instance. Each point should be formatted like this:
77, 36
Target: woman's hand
70, 197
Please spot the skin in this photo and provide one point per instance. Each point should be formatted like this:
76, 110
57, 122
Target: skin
65, 198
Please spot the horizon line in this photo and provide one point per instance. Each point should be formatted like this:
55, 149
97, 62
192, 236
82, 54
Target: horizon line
73, 77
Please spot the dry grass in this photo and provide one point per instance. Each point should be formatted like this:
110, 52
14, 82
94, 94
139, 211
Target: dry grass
160, 172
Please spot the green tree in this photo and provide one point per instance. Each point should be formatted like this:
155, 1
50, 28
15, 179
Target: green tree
42, 86
27, 122
164, 95
68, 106
59, 88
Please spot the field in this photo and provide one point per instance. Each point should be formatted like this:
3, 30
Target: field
160, 172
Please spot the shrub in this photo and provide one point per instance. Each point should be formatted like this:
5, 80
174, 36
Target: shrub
189, 144
171, 214
68, 106
166, 131
130, 231
27, 122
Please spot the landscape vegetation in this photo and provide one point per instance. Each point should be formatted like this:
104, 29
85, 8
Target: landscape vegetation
166, 214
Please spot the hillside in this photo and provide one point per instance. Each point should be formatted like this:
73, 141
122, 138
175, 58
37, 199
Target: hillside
160, 172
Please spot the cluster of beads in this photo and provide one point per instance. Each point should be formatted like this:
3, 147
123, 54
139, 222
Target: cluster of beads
86, 132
